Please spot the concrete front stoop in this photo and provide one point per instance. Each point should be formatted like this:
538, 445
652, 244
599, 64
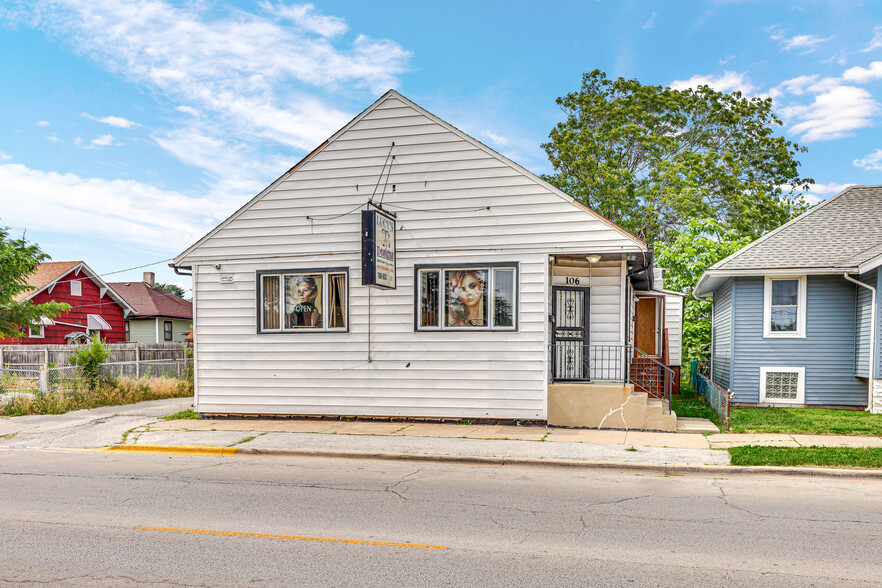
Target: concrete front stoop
606, 406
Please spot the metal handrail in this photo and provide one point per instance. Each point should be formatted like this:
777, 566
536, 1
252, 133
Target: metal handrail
669, 375
609, 363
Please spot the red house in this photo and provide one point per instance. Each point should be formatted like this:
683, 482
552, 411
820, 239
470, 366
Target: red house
94, 306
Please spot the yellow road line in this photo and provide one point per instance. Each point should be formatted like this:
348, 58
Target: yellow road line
290, 537
174, 449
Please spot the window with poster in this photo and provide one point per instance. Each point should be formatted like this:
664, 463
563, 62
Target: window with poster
303, 300
481, 297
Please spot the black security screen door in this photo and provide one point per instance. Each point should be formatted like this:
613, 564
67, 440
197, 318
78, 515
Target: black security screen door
569, 333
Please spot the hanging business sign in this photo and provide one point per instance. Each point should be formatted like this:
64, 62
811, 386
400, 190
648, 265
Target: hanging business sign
377, 249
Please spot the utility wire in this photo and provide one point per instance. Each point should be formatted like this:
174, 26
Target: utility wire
438, 210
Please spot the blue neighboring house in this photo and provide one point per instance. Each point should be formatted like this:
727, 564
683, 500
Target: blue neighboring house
796, 313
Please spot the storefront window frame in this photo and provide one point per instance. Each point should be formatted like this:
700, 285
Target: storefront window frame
489, 295
325, 272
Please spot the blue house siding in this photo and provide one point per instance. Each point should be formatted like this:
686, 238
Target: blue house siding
863, 319
827, 352
722, 334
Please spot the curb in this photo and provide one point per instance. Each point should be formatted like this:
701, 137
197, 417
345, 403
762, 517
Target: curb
498, 461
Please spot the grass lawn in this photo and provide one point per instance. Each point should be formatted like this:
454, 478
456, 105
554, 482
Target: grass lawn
837, 457
817, 421
689, 404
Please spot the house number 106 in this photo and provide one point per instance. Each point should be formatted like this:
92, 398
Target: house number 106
572, 281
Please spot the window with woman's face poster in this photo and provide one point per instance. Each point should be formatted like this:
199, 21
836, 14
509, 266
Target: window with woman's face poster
464, 300
303, 301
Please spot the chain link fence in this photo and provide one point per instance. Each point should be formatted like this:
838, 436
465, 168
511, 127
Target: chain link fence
713, 394
31, 380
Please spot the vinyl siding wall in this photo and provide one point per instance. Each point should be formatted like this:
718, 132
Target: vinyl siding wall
144, 330
722, 335
827, 352
674, 325
863, 320
456, 205
605, 298
878, 370
432, 374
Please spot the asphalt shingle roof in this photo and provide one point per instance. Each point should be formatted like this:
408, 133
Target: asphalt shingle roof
840, 233
45, 274
150, 301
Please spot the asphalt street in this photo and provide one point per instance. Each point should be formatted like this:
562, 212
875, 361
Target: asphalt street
101, 519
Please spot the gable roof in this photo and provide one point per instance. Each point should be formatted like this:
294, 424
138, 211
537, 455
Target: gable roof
841, 234
49, 273
149, 301
45, 274
394, 94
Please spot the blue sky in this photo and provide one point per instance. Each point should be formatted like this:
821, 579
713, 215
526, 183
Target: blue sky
129, 129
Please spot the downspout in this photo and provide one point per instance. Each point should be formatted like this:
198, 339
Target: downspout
872, 337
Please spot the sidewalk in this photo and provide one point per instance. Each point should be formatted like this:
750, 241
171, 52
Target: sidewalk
139, 425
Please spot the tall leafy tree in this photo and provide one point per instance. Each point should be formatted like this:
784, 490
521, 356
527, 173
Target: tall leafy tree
19, 259
172, 289
702, 244
650, 158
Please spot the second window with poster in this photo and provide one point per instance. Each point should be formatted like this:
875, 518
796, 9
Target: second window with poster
464, 298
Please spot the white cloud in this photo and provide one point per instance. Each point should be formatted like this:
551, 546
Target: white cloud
798, 85
801, 43
836, 112
102, 141
115, 121
252, 71
43, 123
4, 156
827, 189
861, 75
235, 170
730, 81
497, 139
306, 17
650, 23
188, 110
807, 43
122, 210
875, 42
873, 161
53, 139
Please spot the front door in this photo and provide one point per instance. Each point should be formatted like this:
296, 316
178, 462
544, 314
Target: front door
569, 333
646, 336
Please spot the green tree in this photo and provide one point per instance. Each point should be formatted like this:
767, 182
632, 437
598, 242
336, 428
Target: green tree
702, 244
18, 260
649, 158
172, 289
89, 359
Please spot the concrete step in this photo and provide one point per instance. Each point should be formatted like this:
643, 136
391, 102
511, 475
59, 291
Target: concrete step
695, 426
655, 418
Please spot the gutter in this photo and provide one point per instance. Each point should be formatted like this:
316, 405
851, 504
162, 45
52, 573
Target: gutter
872, 337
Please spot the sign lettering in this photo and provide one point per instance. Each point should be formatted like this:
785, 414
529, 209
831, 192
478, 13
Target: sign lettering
377, 249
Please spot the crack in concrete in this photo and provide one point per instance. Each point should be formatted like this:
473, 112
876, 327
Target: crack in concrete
621, 410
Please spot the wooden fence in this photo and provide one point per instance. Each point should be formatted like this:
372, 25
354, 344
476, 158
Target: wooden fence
37, 355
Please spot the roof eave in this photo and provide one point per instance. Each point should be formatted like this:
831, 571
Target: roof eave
712, 278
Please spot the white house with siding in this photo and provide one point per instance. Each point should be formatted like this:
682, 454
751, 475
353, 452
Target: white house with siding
513, 301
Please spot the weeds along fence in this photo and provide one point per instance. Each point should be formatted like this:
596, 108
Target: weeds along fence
719, 399
31, 357
17, 381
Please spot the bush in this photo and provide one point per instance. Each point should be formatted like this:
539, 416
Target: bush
124, 390
89, 360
